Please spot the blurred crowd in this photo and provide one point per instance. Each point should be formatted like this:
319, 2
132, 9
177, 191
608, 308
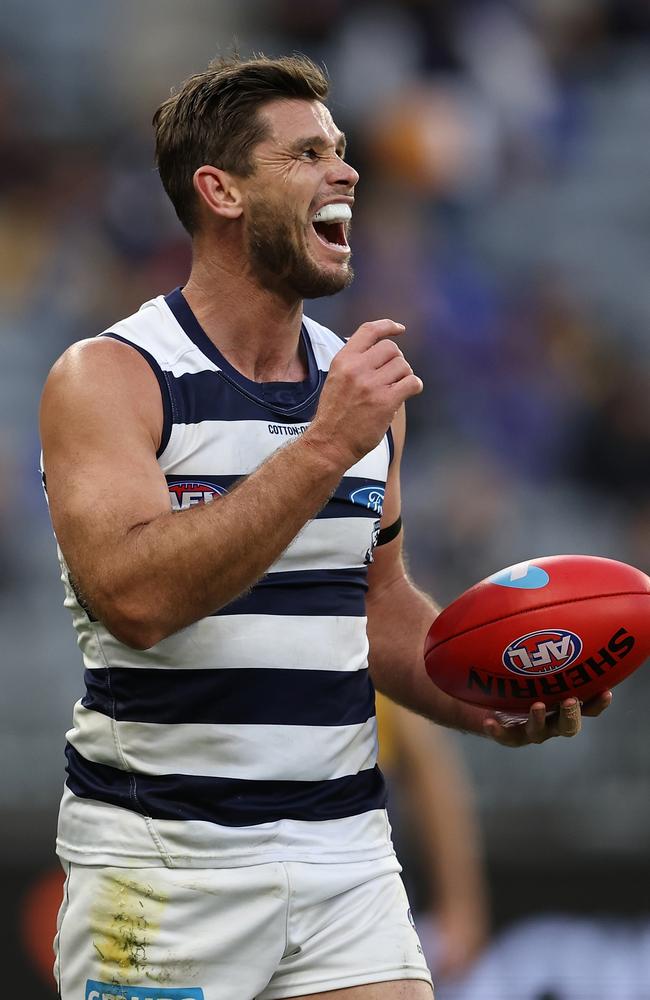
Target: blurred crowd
501, 214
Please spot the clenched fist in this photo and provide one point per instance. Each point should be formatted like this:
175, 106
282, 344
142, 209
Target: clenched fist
368, 381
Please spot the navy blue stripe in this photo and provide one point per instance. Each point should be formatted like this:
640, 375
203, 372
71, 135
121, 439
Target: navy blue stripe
305, 592
164, 388
391, 444
230, 696
210, 395
309, 593
227, 801
276, 394
353, 497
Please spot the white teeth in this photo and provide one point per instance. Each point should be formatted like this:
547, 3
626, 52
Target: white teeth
333, 213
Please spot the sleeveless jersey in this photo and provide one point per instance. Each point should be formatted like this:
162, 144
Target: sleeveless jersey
250, 735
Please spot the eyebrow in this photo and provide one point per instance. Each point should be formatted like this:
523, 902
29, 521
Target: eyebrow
318, 140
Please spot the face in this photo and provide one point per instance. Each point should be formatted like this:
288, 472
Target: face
298, 202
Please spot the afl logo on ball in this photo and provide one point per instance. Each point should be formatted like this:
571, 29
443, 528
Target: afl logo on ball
542, 652
188, 493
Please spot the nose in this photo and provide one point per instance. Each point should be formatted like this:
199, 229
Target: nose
342, 174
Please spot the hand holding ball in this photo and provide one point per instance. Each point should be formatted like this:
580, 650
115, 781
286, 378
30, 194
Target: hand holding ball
542, 631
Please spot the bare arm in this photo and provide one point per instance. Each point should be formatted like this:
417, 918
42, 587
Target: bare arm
147, 572
399, 616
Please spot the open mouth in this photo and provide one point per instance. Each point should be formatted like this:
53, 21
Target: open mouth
330, 225
332, 234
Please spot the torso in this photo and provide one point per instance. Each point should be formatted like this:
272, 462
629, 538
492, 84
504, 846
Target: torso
250, 735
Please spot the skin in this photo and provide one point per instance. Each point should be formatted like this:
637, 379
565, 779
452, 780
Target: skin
294, 177
146, 572
403, 989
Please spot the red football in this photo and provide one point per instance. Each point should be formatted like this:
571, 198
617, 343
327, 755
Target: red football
542, 630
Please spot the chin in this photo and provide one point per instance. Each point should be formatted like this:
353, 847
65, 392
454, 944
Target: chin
288, 265
315, 282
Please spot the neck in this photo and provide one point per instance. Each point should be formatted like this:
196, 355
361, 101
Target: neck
256, 330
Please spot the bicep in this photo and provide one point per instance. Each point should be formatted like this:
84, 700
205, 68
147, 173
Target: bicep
101, 418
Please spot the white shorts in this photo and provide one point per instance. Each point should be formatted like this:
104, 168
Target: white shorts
265, 931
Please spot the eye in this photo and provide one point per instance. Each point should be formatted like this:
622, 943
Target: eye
310, 154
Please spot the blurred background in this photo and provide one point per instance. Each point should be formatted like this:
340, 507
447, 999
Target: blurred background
503, 214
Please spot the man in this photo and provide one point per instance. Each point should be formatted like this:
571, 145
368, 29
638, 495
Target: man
223, 826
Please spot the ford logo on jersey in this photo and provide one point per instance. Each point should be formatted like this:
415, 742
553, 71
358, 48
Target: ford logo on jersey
190, 492
371, 497
109, 991
542, 652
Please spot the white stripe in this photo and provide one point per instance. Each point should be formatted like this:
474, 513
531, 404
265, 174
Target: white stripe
241, 642
324, 343
238, 447
192, 362
98, 833
282, 753
328, 543
154, 328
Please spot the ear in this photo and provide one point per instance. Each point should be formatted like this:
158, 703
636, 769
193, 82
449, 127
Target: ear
218, 190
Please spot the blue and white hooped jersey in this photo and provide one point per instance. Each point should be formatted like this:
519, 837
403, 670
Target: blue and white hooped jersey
250, 735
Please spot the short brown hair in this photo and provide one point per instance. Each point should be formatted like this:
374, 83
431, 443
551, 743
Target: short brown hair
213, 118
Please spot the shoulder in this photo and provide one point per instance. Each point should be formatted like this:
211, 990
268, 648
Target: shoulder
99, 379
122, 361
98, 363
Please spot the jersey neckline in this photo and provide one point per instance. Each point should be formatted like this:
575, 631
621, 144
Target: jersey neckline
286, 397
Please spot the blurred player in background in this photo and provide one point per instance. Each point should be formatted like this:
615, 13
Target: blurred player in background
435, 830
223, 826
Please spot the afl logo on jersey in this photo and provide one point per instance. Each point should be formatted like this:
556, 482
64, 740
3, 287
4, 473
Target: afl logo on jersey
542, 652
371, 497
191, 492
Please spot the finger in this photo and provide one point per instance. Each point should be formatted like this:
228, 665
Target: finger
394, 370
511, 736
535, 727
569, 722
370, 333
597, 705
383, 351
410, 385
492, 729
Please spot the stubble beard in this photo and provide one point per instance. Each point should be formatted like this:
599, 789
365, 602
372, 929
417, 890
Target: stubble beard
281, 262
